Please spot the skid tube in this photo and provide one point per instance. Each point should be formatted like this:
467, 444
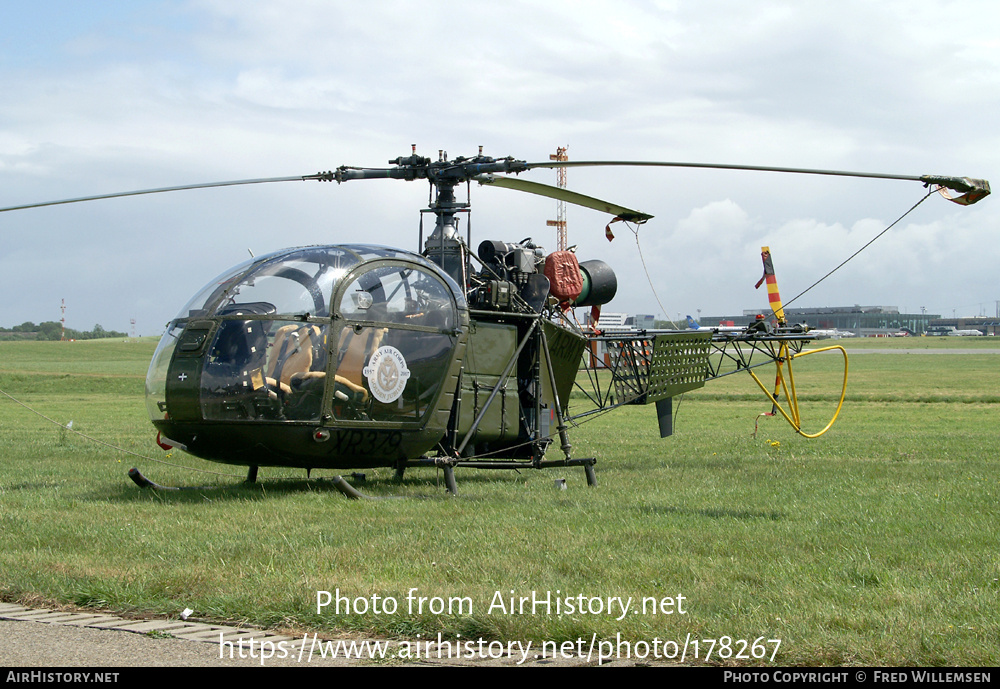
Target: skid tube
451, 484
339, 483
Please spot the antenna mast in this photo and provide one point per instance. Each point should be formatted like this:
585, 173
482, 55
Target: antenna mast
560, 222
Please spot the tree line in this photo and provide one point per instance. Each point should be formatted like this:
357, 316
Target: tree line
53, 330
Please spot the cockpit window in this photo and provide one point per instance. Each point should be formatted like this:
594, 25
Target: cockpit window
263, 369
399, 294
392, 355
296, 284
195, 308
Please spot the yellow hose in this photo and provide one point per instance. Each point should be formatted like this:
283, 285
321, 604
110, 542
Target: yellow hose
792, 415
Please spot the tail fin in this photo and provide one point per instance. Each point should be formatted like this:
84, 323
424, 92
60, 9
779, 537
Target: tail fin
692, 323
773, 298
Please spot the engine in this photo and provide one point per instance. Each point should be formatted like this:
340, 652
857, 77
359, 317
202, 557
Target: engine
521, 270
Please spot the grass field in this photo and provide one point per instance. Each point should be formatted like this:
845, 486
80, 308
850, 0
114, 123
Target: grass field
876, 544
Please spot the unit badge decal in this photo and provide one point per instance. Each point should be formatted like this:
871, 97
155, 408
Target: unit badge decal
387, 374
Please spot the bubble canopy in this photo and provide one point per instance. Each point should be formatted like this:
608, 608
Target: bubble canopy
297, 282
343, 335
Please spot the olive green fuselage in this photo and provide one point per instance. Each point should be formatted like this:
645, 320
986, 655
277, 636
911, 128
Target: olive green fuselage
390, 364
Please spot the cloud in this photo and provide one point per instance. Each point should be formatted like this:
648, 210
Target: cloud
208, 90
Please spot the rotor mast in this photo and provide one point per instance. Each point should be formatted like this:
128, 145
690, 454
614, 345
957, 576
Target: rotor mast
444, 246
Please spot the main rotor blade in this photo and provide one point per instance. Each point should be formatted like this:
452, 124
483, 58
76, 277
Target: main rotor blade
973, 189
564, 195
319, 176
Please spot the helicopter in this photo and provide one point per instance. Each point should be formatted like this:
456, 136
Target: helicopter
355, 356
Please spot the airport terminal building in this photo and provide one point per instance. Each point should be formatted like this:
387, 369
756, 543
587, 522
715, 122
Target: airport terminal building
863, 321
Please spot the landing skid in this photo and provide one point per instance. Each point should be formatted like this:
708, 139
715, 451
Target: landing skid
345, 488
448, 466
338, 482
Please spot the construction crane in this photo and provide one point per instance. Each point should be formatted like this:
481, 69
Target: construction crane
560, 222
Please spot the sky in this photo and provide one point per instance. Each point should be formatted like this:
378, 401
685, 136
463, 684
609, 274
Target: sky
115, 96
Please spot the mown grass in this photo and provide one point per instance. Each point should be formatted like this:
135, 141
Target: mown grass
875, 544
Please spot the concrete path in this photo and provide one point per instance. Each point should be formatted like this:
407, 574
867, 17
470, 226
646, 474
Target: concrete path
52, 638
34, 638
